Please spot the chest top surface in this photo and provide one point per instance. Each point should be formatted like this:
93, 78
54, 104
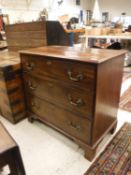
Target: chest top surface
95, 56
9, 59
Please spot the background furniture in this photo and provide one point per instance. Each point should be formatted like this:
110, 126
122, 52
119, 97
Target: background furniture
12, 104
75, 91
40, 33
19, 36
57, 35
105, 33
23, 36
26, 35
10, 153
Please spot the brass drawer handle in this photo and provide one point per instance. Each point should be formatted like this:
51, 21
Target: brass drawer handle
34, 105
31, 86
30, 66
75, 126
77, 78
48, 62
78, 102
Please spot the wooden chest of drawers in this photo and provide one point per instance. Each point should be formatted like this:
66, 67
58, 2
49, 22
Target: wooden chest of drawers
12, 104
75, 91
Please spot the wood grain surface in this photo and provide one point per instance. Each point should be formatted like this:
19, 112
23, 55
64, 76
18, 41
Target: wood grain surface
79, 87
76, 54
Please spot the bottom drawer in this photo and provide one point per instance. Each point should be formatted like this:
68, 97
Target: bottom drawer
68, 122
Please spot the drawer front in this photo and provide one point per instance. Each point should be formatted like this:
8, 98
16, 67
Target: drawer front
66, 121
74, 100
80, 74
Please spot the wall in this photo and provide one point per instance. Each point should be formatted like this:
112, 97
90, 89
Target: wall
28, 10
114, 7
21, 10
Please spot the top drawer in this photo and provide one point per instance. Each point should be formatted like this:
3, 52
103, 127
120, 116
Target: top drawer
70, 71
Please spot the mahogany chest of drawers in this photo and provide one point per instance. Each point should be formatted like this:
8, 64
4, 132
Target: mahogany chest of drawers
75, 91
12, 104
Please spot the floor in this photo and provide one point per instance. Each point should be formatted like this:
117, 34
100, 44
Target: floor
47, 152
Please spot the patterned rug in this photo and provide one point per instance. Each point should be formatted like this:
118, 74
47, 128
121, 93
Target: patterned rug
125, 100
116, 158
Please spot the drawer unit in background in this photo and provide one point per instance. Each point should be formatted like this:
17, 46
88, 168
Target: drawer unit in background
75, 91
12, 102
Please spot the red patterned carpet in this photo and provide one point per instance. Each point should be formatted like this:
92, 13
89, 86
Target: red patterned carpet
116, 158
125, 100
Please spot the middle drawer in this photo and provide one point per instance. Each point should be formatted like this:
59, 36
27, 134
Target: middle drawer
63, 95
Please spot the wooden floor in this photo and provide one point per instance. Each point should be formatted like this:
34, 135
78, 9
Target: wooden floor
51, 151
